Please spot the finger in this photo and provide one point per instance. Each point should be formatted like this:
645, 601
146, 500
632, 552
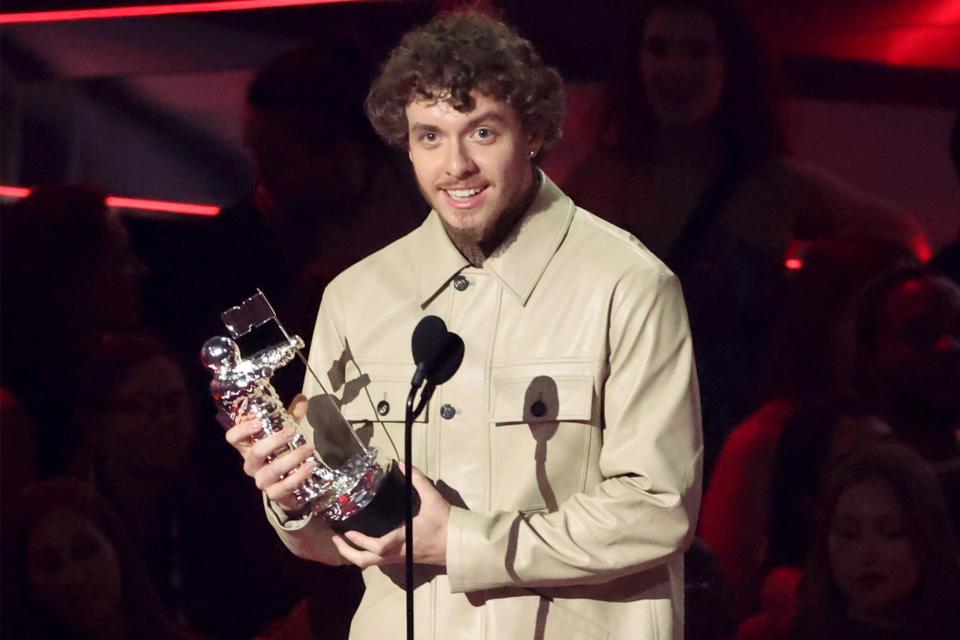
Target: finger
283, 491
388, 545
274, 443
358, 557
261, 451
298, 406
280, 467
240, 433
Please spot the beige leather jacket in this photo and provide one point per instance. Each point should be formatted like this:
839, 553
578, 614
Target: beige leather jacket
571, 441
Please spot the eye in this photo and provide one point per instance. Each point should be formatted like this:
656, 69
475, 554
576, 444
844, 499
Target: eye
429, 137
485, 134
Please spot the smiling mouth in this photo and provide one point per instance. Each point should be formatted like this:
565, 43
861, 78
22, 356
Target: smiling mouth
463, 194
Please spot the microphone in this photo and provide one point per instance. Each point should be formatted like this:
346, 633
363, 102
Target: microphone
437, 352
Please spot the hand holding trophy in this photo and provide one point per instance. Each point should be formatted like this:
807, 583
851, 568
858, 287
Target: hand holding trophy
359, 494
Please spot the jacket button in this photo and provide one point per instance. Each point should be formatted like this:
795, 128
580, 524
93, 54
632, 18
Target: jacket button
447, 411
538, 409
460, 283
383, 408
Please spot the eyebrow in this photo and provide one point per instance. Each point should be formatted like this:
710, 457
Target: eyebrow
486, 116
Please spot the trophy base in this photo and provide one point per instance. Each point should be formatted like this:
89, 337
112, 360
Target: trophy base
385, 511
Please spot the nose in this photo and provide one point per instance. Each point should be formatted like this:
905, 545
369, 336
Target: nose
459, 162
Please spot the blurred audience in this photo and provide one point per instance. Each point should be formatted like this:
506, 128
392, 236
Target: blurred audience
692, 160
947, 260
68, 277
135, 423
18, 450
885, 564
815, 440
909, 366
71, 571
811, 358
326, 193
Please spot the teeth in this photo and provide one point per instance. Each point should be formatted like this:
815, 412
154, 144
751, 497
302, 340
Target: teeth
463, 193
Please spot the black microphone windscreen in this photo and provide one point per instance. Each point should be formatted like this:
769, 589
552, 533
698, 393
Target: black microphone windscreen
428, 338
447, 361
439, 350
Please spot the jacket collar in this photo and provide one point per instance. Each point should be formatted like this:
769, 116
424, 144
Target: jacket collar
518, 263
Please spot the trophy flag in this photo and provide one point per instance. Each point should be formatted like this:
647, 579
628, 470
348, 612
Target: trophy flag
253, 312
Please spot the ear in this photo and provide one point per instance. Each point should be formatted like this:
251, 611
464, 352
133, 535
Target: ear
534, 144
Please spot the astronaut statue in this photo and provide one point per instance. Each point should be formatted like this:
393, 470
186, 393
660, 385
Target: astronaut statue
241, 388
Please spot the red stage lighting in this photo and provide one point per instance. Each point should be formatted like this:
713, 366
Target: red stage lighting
179, 8
165, 206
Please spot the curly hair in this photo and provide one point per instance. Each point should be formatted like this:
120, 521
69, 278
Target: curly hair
456, 54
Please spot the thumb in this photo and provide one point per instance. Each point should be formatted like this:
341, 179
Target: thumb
298, 406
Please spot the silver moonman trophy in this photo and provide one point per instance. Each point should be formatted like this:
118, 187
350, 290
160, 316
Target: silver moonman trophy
357, 494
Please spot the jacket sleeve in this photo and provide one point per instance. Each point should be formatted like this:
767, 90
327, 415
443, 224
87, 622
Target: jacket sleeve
309, 537
644, 511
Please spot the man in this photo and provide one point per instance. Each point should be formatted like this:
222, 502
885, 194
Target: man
566, 450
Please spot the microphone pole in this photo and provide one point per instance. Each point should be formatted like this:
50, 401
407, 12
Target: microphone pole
438, 354
411, 415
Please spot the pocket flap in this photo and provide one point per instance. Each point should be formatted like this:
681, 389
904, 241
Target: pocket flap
543, 399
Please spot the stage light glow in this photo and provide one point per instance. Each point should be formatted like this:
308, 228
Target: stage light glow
794, 264
138, 11
141, 204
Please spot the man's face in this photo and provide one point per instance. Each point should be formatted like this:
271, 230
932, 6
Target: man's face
471, 167
681, 65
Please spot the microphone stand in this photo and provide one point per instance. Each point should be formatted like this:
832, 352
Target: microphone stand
411, 415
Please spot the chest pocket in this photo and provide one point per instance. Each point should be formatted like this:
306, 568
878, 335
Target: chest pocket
378, 418
545, 439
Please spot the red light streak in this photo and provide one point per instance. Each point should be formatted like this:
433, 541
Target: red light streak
794, 264
141, 204
180, 8
14, 192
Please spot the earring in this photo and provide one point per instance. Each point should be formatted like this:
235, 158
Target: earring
533, 153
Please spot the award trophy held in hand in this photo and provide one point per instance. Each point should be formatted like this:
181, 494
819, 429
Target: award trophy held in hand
357, 495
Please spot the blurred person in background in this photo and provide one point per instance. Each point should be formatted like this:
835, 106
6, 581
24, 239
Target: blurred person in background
135, 420
71, 571
326, 191
909, 366
69, 277
885, 564
816, 439
811, 358
692, 158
